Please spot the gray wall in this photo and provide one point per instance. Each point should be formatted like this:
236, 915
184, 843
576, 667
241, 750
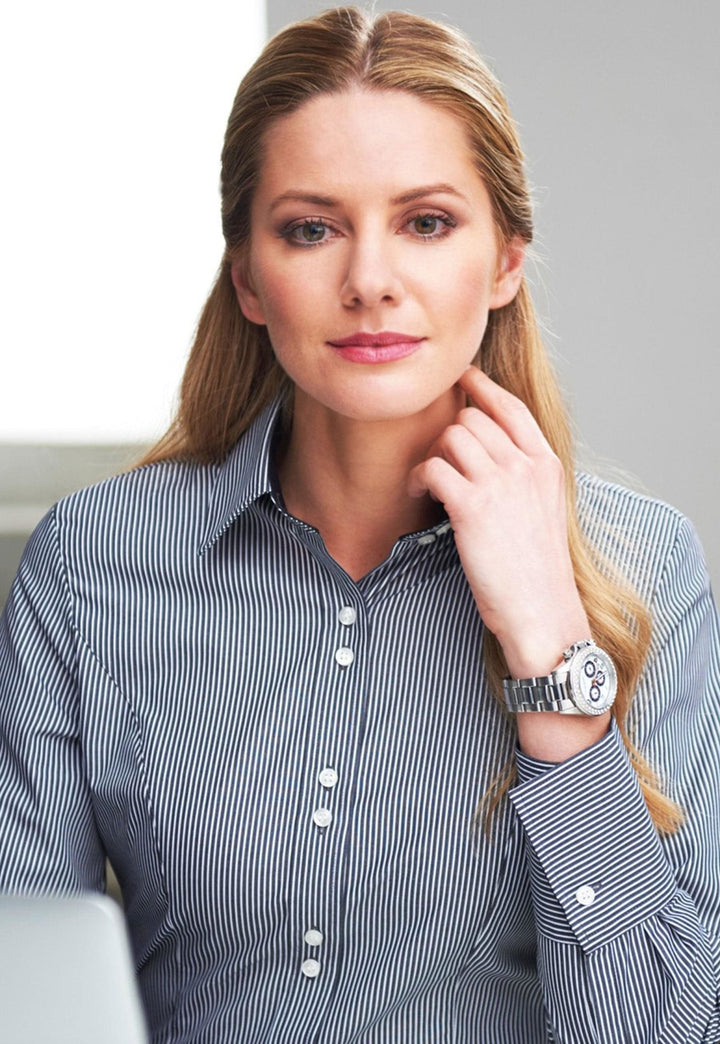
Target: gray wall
618, 109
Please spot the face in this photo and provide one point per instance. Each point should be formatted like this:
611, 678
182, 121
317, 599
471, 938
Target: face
373, 257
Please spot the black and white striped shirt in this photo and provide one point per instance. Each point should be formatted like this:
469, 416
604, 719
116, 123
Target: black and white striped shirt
283, 767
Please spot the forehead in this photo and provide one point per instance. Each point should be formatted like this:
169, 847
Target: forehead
360, 138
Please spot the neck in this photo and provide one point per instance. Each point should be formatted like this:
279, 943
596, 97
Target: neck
348, 477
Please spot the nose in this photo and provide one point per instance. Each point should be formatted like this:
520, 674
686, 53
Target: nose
371, 276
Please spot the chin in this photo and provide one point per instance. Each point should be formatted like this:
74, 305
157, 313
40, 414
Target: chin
383, 404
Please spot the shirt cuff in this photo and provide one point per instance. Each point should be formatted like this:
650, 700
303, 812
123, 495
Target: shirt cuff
597, 868
531, 768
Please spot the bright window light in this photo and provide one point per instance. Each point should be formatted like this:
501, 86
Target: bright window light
112, 130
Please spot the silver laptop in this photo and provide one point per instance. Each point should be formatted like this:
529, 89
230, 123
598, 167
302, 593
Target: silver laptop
66, 974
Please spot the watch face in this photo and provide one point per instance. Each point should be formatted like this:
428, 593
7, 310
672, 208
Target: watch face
593, 681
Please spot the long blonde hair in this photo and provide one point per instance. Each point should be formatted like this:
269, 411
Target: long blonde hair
232, 373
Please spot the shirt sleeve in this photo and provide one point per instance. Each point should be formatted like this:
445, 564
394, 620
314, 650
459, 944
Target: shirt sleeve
48, 838
628, 924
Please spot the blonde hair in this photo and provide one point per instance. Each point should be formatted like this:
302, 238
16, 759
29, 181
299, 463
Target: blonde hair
232, 373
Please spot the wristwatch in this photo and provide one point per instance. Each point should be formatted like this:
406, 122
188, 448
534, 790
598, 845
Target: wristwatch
584, 683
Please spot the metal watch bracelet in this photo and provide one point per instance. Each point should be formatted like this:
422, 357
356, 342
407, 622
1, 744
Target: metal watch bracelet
538, 694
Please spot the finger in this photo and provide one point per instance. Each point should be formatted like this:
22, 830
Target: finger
461, 448
438, 478
506, 409
495, 441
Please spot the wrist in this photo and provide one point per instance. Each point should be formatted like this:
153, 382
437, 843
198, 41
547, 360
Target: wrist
554, 737
539, 650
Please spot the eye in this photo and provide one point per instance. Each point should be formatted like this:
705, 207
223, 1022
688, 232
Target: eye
426, 224
429, 226
308, 232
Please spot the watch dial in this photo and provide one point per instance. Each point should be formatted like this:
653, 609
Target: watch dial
593, 680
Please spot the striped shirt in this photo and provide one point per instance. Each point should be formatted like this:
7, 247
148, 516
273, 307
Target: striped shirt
283, 767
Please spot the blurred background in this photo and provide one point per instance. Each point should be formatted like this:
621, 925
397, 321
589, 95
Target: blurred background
113, 121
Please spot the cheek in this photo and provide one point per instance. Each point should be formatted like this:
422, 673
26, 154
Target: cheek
292, 319
280, 305
468, 299
289, 302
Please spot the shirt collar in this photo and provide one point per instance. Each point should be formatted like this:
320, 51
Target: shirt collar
244, 476
248, 473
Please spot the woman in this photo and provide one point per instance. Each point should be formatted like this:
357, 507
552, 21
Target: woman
261, 671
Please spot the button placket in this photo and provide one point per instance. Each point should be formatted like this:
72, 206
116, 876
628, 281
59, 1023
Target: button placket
311, 966
327, 777
344, 655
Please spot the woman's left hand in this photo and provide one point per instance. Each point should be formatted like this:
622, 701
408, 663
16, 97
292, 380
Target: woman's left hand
504, 491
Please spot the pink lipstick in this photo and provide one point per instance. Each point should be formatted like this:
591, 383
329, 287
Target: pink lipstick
385, 346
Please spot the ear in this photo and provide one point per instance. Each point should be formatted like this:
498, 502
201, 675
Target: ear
245, 292
509, 273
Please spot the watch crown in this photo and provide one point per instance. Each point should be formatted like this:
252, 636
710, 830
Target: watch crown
575, 647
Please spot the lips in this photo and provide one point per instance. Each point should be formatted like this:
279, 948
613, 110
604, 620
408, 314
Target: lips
384, 346
374, 340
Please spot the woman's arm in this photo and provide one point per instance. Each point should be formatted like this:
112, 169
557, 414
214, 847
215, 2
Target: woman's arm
48, 839
628, 925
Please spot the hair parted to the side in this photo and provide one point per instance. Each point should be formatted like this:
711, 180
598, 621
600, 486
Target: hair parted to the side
232, 374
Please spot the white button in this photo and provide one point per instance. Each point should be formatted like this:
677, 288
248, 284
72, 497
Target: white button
443, 528
426, 538
344, 656
328, 777
585, 895
314, 938
347, 615
311, 968
322, 817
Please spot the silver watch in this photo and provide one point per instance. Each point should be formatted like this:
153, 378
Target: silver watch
584, 683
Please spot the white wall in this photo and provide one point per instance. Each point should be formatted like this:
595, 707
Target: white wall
112, 125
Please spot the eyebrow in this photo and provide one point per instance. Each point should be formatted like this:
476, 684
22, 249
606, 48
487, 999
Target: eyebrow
439, 189
298, 196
